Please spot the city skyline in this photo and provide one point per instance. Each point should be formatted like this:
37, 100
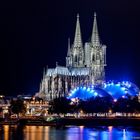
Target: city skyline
29, 38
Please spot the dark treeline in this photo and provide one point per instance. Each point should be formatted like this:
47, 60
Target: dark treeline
95, 105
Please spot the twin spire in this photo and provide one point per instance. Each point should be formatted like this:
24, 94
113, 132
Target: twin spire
78, 38
95, 35
69, 51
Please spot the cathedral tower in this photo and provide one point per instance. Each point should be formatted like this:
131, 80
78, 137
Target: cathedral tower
75, 55
98, 55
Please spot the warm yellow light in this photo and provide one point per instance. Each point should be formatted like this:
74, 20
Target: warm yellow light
81, 111
6, 132
110, 111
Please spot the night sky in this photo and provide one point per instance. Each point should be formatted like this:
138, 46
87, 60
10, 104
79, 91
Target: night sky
34, 34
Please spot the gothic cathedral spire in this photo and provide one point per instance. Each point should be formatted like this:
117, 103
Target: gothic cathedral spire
77, 39
69, 57
95, 39
77, 49
69, 49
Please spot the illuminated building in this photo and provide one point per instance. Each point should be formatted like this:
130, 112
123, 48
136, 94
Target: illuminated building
85, 65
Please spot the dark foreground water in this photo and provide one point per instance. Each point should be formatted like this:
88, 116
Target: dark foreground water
15, 132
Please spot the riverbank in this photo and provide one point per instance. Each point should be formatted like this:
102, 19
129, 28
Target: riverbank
76, 121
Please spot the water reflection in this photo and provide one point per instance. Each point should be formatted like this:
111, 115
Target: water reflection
6, 131
13, 132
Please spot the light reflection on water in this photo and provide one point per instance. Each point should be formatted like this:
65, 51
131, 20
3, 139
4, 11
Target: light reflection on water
15, 132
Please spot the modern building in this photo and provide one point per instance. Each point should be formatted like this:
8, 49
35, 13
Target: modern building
85, 65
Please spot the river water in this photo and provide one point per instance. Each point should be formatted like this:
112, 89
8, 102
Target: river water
15, 132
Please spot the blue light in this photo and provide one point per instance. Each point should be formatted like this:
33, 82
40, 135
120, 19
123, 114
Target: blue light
123, 88
118, 84
129, 85
112, 90
123, 96
108, 84
95, 93
73, 92
105, 85
112, 83
123, 82
125, 91
92, 91
84, 88
75, 89
88, 89
115, 100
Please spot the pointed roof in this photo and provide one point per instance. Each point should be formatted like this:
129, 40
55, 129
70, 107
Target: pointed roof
95, 39
69, 51
77, 39
44, 73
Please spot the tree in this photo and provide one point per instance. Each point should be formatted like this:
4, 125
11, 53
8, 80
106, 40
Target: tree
18, 106
127, 105
59, 105
94, 105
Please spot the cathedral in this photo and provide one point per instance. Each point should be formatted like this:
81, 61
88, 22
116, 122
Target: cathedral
85, 66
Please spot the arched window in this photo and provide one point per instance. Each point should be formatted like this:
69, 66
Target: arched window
76, 58
93, 58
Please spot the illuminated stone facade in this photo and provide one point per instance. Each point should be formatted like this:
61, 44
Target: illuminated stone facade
85, 65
